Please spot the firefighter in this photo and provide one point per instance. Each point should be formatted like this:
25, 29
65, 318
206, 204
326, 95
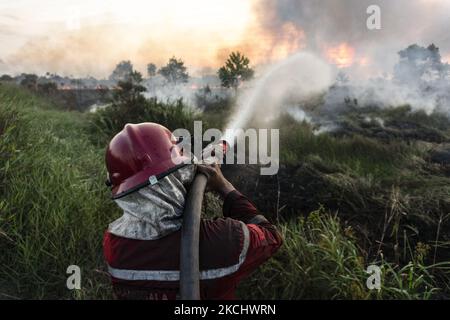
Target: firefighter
149, 177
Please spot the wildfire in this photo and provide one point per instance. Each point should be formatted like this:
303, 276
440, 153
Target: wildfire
364, 61
286, 43
263, 46
65, 87
446, 58
342, 55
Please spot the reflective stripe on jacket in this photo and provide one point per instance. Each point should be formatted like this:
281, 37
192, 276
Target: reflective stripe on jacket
230, 249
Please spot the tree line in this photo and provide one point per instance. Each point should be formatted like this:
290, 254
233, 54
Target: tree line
235, 70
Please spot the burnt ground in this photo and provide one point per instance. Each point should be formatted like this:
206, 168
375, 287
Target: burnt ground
413, 205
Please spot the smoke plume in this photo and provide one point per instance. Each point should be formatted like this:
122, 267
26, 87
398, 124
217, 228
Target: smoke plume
338, 28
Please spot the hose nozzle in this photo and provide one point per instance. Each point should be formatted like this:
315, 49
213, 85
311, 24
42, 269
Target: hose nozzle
215, 152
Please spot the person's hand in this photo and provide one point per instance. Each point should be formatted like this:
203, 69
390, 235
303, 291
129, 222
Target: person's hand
216, 181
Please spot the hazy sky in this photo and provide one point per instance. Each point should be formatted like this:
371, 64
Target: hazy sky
88, 37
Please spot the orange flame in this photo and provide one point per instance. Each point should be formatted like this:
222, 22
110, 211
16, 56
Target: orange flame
364, 61
446, 58
342, 55
262, 46
287, 42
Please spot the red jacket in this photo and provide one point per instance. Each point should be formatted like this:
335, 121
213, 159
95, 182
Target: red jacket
230, 249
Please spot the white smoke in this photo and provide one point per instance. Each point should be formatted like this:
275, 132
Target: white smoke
332, 22
387, 93
158, 87
377, 120
286, 86
373, 53
298, 114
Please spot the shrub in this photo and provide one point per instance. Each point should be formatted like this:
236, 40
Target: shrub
105, 123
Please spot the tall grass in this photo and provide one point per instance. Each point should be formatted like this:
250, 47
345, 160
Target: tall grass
105, 123
320, 259
53, 208
358, 155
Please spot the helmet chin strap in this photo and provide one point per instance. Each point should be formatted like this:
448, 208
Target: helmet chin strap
108, 181
152, 180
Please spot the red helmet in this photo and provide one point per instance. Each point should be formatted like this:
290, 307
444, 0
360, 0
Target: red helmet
140, 155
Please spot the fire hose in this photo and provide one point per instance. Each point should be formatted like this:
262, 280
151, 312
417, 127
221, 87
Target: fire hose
190, 236
190, 233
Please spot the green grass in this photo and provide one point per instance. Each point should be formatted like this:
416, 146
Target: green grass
358, 155
320, 259
53, 208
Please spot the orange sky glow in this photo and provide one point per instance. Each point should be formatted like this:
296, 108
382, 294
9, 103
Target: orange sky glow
89, 37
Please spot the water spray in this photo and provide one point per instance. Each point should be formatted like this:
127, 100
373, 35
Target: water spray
292, 79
